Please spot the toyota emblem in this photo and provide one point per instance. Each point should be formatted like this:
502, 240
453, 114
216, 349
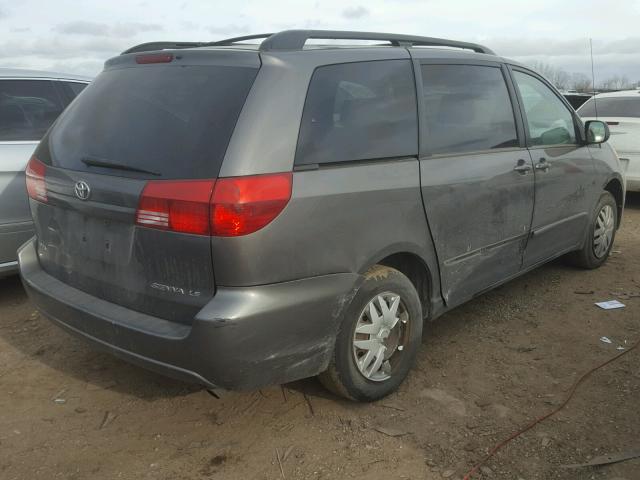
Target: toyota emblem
82, 190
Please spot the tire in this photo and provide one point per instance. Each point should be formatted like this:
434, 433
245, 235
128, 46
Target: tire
592, 254
382, 285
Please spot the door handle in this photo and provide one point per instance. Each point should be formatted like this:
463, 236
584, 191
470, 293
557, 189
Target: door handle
543, 165
522, 167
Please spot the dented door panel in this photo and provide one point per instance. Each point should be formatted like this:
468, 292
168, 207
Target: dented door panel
565, 182
566, 192
479, 210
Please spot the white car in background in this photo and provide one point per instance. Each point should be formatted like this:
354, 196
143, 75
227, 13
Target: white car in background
621, 111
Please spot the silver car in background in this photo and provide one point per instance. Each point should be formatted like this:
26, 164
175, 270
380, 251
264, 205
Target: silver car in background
30, 101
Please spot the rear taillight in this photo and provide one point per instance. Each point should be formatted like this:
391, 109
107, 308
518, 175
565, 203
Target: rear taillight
242, 205
180, 206
35, 173
227, 207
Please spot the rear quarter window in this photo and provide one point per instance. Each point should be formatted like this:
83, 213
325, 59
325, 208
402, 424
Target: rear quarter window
359, 111
72, 89
27, 109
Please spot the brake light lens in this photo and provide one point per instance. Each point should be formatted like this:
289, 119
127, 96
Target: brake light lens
180, 206
36, 186
243, 205
226, 207
154, 58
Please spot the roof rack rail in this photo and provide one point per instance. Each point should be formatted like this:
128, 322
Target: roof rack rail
296, 39
231, 41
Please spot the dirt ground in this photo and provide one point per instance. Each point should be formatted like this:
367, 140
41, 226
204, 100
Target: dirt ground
484, 370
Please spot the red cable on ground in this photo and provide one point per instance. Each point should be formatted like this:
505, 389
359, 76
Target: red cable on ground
529, 426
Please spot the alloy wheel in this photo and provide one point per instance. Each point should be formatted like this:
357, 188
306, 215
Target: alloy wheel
380, 336
603, 232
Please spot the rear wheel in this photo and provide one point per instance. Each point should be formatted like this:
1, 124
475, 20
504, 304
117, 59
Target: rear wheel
378, 339
600, 234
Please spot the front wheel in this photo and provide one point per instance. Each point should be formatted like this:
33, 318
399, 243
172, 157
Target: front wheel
379, 338
600, 234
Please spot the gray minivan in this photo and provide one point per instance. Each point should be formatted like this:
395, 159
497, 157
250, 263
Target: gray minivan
30, 101
243, 215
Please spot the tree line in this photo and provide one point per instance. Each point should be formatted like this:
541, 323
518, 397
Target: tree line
580, 82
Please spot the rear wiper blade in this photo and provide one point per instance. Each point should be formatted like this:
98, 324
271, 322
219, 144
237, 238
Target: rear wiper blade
94, 162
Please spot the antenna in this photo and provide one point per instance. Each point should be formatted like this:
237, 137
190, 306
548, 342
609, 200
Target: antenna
593, 80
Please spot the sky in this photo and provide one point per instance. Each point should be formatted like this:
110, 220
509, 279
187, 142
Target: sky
77, 37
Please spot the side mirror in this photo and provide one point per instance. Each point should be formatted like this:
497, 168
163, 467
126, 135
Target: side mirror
596, 132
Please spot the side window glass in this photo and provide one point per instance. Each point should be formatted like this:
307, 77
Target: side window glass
74, 88
550, 121
467, 108
69, 90
359, 111
27, 109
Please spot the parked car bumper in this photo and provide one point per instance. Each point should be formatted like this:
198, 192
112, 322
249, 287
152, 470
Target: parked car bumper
631, 168
244, 338
12, 235
8, 268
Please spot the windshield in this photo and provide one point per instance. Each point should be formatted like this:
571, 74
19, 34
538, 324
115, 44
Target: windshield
174, 121
611, 107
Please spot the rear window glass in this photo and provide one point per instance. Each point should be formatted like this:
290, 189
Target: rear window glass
27, 109
169, 121
358, 111
612, 107
467, 108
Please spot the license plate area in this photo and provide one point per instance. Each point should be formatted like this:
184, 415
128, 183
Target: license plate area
97, 239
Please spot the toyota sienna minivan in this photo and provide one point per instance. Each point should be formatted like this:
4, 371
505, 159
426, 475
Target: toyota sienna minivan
242, 215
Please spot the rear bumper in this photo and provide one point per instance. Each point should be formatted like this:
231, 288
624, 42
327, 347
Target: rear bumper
12, 235
244, 338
